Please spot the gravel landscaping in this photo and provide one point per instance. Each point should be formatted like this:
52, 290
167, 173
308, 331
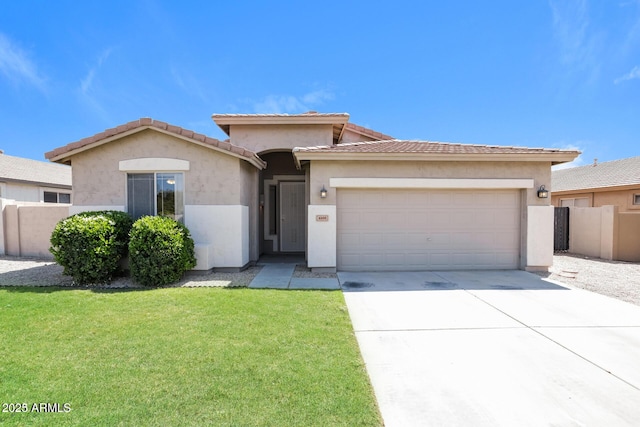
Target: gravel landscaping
612, 278
16, 271
36, 272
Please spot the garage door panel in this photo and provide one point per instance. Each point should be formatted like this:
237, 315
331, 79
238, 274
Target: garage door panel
372, 240
428, 229
439, 219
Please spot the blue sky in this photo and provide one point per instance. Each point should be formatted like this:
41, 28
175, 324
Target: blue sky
526, 73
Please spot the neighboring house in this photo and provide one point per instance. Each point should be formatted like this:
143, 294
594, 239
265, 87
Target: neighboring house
346, 197
26, 180
614, 183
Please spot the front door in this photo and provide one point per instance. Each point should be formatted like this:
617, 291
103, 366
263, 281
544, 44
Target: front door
292, 232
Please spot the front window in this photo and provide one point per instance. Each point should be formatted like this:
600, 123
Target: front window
156, 194
636, 199
55, 197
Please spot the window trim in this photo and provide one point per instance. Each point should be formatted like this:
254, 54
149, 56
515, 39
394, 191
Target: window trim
155, 190
635, 199
57, 192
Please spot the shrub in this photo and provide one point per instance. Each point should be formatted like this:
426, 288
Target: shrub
160, 251
89, 245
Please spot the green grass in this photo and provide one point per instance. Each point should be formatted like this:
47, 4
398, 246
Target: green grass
176, 356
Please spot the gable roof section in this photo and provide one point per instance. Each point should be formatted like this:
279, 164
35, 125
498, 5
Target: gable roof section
18, 169
395, 149
367, 132
616, 173
338, 120
63, 154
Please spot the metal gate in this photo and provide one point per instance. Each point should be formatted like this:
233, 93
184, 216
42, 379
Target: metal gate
561, 229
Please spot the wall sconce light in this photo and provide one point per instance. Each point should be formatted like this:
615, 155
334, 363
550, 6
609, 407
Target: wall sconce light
323, 193
543, 193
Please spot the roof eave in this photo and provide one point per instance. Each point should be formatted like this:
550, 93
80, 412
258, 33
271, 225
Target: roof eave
66, 157
620, 187
225, 121
38, 183
554, 158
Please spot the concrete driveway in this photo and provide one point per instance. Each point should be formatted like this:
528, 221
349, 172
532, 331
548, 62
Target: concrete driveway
495, 348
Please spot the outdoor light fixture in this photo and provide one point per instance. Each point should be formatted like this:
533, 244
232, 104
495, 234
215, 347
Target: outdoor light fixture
323, 193
543, 193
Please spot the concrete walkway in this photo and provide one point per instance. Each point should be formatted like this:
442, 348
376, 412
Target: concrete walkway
495, 349
280, 276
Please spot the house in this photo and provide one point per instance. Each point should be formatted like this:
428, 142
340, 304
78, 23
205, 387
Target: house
347, 197
26, 180
615, 183
33, 197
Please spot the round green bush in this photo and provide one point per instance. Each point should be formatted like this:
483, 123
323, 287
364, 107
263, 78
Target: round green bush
160, 251
89, 245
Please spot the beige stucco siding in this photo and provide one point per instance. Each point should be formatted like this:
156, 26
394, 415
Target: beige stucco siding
322, 171
259, 138
623, 199
214, 177
249, 197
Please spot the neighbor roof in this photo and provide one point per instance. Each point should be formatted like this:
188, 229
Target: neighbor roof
598, 175
396, 149
63, 154
18, 169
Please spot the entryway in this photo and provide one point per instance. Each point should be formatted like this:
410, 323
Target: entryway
283, 202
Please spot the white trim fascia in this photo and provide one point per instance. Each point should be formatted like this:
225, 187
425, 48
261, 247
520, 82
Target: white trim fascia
435, 183
154, 164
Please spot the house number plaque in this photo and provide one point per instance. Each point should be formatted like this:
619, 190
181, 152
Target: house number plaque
322, 218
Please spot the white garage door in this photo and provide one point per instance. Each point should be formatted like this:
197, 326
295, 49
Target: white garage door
428, 229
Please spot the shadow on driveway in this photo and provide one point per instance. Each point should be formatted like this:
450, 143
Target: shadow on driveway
443, 280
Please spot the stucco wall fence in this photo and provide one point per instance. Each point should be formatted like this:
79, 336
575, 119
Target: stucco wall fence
604, 232
25, 228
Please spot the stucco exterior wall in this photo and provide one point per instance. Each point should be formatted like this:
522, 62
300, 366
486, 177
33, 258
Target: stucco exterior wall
214, 178
28, 226
629, 237
623, 199
259, 138
20, 192
321, 171
604, 232
249, 197
592, 231
350, 136
23, 192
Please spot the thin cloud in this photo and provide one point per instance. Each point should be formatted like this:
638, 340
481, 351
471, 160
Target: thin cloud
189, 84
86, 84
279, 104
87, 87
633, 74
16, 66
579, 44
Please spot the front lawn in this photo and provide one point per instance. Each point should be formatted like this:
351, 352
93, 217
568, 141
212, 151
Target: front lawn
175, 356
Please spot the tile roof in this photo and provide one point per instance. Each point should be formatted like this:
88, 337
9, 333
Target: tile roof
605, 174
147, 123
367, 132
19, 169
414, 146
